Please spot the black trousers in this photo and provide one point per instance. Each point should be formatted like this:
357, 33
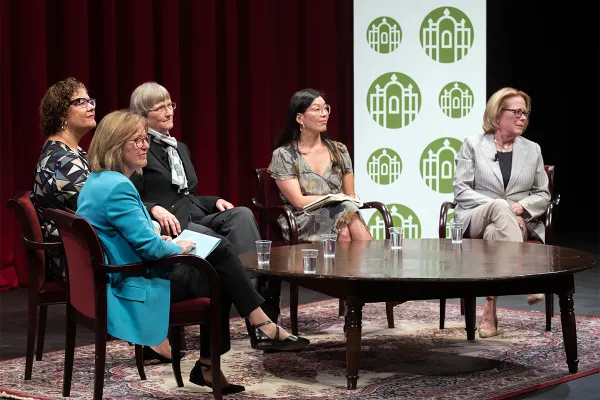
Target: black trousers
188, 283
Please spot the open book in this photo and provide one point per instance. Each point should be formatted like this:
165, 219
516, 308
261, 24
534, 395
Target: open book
204, 244
331, 198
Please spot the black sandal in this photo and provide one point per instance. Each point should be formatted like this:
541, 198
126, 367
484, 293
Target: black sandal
263, 342
197, 378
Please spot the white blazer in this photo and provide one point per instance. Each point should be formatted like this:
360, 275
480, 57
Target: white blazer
478, 180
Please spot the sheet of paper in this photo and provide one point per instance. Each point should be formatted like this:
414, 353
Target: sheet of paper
204, 244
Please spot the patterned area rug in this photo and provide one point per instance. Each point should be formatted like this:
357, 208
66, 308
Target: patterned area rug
414, 360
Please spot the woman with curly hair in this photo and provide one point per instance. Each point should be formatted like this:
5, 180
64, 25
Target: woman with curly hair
67, 114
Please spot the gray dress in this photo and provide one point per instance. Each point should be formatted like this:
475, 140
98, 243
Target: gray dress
287, 163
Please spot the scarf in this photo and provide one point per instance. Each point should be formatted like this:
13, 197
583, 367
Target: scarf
169, 144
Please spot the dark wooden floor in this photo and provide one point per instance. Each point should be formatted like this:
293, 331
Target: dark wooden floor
13, 324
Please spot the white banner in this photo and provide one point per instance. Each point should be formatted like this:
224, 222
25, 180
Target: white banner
419, 90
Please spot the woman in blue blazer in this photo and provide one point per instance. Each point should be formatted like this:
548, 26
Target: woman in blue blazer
138, 306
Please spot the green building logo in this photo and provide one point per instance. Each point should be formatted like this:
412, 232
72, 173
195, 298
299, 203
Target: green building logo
456, 99
384, 166
437, 164
446, 34
384, 35
394, 100
402, 216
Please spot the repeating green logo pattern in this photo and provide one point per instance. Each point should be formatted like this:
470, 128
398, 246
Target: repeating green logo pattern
456, 99
384, 166
394, 100
437, 164
384, 35
402, 216
446, 34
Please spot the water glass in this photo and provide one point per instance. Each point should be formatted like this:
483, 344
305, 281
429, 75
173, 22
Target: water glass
263, 251
396, 237
329, 245
456, 232
309, 259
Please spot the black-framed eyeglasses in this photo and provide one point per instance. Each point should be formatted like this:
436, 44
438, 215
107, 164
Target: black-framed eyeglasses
163, 109
325, 110
139, 141
82, 102
518, 112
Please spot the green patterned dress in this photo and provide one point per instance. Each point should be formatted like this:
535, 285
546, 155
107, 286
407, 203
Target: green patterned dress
287, 163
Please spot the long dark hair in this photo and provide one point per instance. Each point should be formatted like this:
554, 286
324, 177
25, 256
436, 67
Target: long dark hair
290, 133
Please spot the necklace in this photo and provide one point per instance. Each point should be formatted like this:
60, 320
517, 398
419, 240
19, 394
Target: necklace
504, 147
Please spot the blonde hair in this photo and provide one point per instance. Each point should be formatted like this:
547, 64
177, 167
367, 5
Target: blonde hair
145, 96
115, 129
495, 106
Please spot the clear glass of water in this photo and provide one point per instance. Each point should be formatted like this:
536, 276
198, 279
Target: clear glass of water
309, 259
395, 237
263, 251
456, 232
329, 245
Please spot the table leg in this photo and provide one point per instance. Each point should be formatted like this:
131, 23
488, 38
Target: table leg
470, 317
567, 318
354, 326
294, 307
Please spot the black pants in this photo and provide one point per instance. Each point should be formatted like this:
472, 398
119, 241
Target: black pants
188, 283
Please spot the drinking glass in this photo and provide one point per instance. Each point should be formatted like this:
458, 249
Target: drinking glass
396, 237
263, 251
309, 259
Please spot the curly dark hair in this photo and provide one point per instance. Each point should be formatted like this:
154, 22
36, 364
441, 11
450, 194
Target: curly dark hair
55, 104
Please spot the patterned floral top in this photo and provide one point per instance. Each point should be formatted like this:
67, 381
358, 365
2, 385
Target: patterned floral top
59, 176
287, 163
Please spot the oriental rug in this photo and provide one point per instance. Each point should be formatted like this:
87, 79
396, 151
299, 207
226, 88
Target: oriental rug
415, 360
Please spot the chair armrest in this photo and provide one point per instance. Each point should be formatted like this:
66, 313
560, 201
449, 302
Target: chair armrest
101, 269
548, 218
444, 209
385, 213
272, 214
33, 245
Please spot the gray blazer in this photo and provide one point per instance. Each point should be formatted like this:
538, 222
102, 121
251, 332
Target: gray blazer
478, 180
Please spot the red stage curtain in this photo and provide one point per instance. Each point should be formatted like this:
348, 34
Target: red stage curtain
230, 65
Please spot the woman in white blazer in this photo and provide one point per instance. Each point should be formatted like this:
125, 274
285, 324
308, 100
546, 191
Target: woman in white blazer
500, 186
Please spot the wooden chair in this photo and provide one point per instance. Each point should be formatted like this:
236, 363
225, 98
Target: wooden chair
270, 206
42, 293
546, 218
86, 301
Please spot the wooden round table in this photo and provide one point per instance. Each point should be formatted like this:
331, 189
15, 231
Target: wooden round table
369, 271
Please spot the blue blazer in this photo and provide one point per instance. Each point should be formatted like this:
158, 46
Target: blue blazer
137, 306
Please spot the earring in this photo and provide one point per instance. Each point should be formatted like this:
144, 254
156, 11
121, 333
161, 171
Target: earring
301, 126
63, 126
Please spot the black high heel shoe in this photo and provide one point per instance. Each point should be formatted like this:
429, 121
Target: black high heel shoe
263, 342
150, 354
197, 378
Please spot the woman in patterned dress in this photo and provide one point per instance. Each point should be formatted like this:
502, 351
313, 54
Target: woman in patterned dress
307, 166
67, 114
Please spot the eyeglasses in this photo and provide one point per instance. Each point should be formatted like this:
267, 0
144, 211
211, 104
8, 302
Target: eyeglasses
518, 112
163, 109
139, 141
325, 110
82, 102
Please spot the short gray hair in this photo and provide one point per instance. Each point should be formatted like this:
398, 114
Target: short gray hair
145, 96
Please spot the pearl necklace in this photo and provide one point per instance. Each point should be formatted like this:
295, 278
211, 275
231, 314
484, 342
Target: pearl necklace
504, 147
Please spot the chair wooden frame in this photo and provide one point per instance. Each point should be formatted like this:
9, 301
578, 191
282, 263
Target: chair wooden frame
91, 312
42, 293
270, 207
546, 218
